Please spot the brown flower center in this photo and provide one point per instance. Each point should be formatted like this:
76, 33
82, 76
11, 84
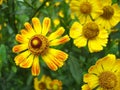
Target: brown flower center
38, 44
90, 30
85, 8
42, 86
108, 12
108, 80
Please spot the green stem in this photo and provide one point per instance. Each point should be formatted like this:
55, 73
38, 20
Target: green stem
38, 9
11, 15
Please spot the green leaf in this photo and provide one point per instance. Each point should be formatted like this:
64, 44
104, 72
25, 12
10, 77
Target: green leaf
75, 68
114, 1
2, 52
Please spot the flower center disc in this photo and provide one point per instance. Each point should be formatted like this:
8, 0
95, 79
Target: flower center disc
85, 8
38, 44
107, 80
42, 86
90, 30
108, 12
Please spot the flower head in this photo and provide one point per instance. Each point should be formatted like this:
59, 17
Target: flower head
104, 75
85, 9
56, 85
90, 32
43, 83
46, 83
110, 16
35, 41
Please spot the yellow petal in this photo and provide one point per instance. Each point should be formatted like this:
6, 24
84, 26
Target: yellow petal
46, 25
102, 42
55, 58
86, 87
107, 62
35, 66
29, 28
80, 41
19, 48
28, 62
75, 30
103, 33
48, 81
93, 70
82, 18
36, 84
21, 39
26, 34
59, 41
94, 46
116, 67
21, 57
106, 2
37, 25
91, 80
49, 62
56, 34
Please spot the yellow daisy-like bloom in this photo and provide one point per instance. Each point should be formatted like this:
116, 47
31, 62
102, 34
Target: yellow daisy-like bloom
43, 83
105, 74
95, 35
36, 42
56, 85
110, 16
46, 83
85, 9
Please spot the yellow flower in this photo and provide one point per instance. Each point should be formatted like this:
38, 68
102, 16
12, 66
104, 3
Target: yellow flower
86, 87
56, 85
110, 16
91, 33
43, 83
1, 1
56, 21
57, 4
61, 14
47, 4
67, 1
85, 9
105, 74
46, 83
35, 41
41, 1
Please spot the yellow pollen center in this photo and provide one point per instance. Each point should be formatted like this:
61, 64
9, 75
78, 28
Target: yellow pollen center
108, 80
108, 12
35, 42
42, 86
90, 30
38, 44
85, 8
